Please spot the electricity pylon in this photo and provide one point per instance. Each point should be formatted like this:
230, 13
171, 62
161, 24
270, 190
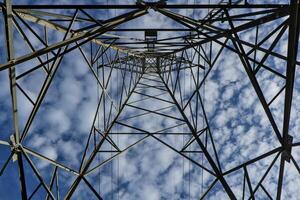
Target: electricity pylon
129, 72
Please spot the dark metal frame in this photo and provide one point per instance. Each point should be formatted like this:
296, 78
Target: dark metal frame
157, 69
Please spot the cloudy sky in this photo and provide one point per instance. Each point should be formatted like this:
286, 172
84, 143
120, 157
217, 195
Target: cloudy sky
77, 110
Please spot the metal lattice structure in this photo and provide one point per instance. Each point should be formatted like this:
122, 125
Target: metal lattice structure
158, 77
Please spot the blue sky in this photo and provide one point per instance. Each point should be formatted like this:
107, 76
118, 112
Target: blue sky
150, 170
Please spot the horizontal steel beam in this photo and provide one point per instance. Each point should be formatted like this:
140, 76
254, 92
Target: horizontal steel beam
139, 6
151, 29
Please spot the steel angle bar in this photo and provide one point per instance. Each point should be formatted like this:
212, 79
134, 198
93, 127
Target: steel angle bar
89, 34
245, 62
50, 161
13, 91
202, 146
293, 40
46, 85
85, 166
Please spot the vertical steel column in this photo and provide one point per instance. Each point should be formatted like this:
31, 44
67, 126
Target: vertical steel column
293, 39
13, 90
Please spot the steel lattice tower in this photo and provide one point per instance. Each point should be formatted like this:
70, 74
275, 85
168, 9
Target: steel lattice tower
155, 87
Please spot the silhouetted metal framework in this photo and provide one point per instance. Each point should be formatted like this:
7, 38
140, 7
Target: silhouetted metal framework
150, 64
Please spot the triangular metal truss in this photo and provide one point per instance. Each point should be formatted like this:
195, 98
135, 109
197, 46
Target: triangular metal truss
146, 79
